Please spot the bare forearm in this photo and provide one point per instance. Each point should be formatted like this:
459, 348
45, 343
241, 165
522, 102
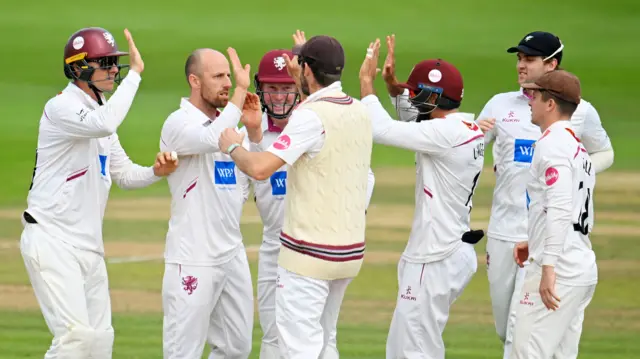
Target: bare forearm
255, 134
239, 95
366, 87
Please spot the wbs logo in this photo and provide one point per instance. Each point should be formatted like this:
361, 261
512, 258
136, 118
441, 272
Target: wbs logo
279, 183
523, 150
103, 164
225, 173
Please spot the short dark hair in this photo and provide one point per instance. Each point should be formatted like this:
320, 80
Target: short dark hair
322, 78
565, 107
191, 65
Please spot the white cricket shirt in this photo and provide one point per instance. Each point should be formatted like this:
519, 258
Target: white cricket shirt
269, 194
560, 190
207, 189
449, 161
77, 158
514, 136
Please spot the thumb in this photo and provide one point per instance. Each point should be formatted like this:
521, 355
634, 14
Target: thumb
247, 68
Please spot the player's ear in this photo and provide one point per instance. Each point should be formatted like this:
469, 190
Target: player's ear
194, 81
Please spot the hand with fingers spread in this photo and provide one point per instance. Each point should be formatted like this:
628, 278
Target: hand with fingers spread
548, 288
165, 164
136, 63
240, 73
389, 69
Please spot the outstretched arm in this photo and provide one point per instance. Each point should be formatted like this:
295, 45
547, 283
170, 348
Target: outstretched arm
128, 175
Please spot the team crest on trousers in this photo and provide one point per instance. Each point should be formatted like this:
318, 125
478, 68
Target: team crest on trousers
189, 283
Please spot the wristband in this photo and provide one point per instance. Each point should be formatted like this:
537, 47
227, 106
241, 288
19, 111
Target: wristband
232, 147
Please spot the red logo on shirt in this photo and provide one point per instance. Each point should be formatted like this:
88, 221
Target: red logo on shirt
551, 176
282, 143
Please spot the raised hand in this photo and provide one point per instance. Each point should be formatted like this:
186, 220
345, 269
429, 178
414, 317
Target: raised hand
369, 68
136, 63
251, 112
389, 69
240, 73
298, 38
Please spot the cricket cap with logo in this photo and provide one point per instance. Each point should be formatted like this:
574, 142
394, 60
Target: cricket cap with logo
323, 53
540, 43
559, 83
437, 74
273, 68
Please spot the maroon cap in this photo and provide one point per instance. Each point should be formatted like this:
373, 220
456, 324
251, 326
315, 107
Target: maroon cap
273, 68
91, 43
560, 83
323, 53
436, 73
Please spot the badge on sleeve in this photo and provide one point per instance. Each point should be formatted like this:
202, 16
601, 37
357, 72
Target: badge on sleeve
225, 173
282, 143
279, 183
551, 176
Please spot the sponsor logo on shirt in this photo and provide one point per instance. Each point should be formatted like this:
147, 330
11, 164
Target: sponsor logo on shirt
279, 183
225, 173
103, 164
551, 176
523, 150
282, 142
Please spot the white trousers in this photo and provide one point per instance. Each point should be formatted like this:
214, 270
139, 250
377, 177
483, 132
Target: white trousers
267, 274
425, 295
307, 311
208, 304
545, 334
72, 289
505, 281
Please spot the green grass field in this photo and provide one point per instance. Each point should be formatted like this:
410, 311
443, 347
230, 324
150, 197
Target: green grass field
600, 40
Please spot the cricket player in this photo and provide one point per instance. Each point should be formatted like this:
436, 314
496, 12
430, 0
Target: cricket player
506, 119
439, 260
207, 294
78, 157
327, 145
278, 97
562, 275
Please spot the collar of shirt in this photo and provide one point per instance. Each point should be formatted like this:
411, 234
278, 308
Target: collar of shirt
80, 94
558, 125
271, 127
191, 110
523, 94
336, 86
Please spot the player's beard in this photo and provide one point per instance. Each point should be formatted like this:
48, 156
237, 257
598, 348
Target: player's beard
304, 85
215, 101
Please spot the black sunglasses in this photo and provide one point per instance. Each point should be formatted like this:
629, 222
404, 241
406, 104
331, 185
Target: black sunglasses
106, 62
